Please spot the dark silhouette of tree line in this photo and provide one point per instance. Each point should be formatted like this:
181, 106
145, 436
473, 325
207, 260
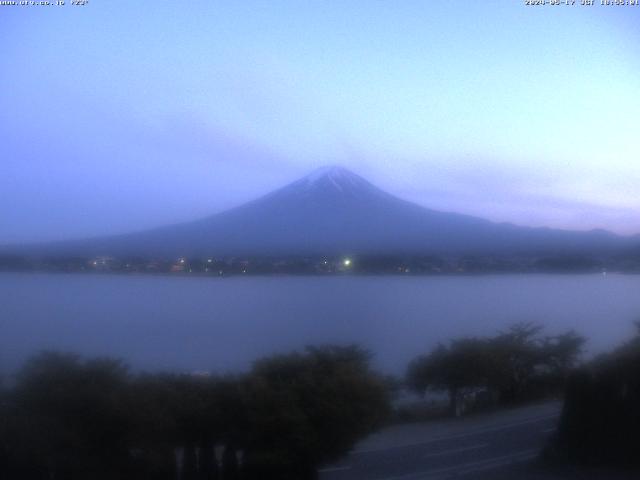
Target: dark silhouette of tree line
601, 415
518, 365
68, 418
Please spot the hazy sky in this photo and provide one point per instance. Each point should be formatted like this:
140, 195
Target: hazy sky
122, 115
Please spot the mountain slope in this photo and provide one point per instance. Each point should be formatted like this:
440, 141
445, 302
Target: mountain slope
334, 211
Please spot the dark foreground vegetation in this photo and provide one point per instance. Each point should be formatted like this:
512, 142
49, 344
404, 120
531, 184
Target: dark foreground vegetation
66, 418
601, 416
515, 366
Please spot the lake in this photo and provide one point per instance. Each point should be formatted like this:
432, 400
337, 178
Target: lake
223, 324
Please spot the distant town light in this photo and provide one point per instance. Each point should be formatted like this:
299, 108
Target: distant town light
347, 262
210, 260
182, 260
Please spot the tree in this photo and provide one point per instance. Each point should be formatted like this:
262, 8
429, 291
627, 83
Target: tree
523, 361
454, 368
70, 416
309, 408
601, 415
517, 364
513, 358
560, 356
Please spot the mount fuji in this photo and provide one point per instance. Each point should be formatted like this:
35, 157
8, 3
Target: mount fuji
335, 211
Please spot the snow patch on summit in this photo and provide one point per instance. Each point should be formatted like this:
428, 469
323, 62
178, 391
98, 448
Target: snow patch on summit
331, 171
330, 182
338, 177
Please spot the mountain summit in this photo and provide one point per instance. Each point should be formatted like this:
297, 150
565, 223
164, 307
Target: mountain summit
332, 180
335, 211
336, 176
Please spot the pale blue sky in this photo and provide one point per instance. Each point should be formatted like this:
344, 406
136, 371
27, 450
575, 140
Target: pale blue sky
124, 115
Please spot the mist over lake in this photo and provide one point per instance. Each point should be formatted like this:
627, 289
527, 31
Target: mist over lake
223, 324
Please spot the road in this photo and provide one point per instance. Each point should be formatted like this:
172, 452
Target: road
468, 448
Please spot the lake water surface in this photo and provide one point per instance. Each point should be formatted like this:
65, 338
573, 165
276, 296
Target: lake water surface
223, 324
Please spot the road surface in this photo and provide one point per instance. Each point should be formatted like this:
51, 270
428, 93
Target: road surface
478, 447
